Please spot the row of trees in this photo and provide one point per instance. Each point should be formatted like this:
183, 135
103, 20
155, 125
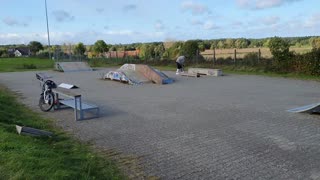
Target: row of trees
160, 50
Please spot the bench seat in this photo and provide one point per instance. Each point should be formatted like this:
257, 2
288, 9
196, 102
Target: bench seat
73, 100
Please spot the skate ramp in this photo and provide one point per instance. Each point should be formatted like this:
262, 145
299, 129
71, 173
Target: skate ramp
72, 66
312, 108
205, 71
153, 74
138, 74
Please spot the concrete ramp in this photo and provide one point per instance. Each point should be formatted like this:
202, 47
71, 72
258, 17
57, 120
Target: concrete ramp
205, 71
138, 74
312, 108
72, 66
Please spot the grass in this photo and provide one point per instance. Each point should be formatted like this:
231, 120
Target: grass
254, 71
24, 64
58, 157
265, 52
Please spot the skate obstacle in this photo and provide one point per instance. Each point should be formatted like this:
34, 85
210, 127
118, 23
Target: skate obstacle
72, 66
138, 74
205, 71
311, 108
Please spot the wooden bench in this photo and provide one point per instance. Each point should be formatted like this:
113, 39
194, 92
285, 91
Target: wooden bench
74, 101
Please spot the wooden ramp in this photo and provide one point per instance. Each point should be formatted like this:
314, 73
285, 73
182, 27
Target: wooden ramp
72, 66
311, 108
153, 74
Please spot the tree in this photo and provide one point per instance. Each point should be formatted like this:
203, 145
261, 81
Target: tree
146, 51
79, 48
35, 46
241, 43
220, 45
213, 45
159, 50
173, 51
190, 49
100, 46
202, 46
315, 43
279, 48
229, 43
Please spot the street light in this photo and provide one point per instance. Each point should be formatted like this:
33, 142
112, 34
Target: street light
45, 1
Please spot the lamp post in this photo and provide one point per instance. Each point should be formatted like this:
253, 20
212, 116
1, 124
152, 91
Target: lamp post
45, 1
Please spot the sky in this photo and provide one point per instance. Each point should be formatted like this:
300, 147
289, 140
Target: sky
132, 21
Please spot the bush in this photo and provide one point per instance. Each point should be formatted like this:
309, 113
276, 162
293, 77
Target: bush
43, 54
280, 50
190, 49
251, 59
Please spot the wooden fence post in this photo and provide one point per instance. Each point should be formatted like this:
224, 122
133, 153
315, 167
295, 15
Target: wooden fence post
259, 55
214, 56
235, 55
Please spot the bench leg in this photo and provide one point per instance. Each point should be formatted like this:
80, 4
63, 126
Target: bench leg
81, 111
76, 109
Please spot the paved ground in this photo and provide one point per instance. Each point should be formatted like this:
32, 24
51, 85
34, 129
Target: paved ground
231, 127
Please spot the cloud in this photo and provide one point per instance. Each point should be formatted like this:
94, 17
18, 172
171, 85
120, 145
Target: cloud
159, 25
237, 24
195, 8
313, 21
263, 4
120, 32
10, 21
99, 10
62, 16
17, 38
196, 22
272, 20
209, 25
129, 7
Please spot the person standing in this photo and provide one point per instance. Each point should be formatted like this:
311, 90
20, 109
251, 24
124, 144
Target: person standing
180, 63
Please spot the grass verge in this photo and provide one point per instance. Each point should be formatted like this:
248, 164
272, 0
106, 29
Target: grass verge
58, 157
24, 64
242, 70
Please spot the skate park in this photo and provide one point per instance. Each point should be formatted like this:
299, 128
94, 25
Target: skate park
210, 127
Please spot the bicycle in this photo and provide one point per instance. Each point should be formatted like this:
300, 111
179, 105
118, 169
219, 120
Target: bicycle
47, 98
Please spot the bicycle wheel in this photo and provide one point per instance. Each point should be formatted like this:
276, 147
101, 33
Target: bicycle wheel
46, 103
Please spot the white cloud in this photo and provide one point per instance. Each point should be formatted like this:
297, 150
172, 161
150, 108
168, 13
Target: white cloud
313, 21
263, 4
270, 20
120, 32
195, 8
159, 25
17, 38
209, 25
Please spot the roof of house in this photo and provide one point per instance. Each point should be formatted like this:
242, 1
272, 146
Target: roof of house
23, 50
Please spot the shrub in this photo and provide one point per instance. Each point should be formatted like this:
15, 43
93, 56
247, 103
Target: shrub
251, 59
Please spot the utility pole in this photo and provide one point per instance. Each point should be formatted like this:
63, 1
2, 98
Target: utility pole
45, 1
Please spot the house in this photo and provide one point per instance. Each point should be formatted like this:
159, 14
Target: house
19, 52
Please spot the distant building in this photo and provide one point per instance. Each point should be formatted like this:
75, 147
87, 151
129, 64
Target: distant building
19, 52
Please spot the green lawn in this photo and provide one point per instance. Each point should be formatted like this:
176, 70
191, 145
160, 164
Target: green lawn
24, 64
58, 157
256, 71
